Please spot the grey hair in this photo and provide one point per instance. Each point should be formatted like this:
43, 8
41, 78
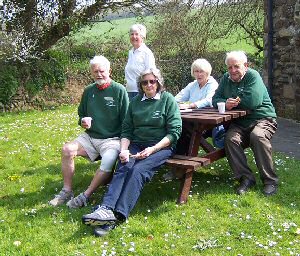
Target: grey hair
158, 76
201, 64
140, 29
240, 56
101, 61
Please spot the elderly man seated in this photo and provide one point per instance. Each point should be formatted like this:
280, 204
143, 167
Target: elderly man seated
242, 87
101, 112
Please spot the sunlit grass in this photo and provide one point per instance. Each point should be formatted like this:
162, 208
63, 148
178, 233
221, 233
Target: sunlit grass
120, 28
215, 221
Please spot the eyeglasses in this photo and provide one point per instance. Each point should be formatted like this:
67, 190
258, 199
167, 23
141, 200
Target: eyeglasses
146, 82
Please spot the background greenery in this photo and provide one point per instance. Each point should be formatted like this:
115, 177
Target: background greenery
215, 221
177, 34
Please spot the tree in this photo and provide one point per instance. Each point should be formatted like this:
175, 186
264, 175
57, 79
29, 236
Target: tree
36, 25
186, 30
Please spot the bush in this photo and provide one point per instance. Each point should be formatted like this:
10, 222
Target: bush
8, 82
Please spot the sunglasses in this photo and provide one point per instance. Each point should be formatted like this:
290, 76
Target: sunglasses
146, 82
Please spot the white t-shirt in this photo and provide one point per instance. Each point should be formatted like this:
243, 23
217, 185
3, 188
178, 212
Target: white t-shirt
138, 60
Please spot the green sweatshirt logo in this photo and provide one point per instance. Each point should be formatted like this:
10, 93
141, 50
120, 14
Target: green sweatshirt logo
156, 114
110, 101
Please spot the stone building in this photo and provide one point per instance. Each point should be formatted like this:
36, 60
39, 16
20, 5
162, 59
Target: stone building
282, 55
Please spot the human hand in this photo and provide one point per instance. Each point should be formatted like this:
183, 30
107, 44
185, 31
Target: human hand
124, 156
145, 153
232, 103
184, 105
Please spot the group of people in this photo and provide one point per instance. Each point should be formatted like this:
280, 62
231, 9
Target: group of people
140, 124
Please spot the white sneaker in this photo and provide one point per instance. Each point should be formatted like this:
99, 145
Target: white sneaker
61, 198
99, 217
78, 201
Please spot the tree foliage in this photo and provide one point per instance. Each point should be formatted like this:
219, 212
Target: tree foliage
36, 25
187, 30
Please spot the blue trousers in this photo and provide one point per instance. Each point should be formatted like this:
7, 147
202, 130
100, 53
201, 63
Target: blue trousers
129, 179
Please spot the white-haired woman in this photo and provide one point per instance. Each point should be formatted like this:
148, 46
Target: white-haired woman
140, 58
199, 93
150, 131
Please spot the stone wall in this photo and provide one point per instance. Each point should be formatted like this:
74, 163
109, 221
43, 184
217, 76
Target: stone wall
284, 85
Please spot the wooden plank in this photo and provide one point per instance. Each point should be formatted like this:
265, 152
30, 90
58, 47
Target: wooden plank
226, 117
203, 119
204, 161
180, 163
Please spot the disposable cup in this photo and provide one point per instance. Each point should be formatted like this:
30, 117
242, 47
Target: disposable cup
221, 107
88, 121
125, 154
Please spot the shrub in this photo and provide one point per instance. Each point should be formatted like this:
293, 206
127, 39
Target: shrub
8, 82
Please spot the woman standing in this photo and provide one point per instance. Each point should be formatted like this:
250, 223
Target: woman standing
140, 58
150, 131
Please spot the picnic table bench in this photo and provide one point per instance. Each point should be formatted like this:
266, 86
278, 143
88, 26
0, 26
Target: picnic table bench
197, 122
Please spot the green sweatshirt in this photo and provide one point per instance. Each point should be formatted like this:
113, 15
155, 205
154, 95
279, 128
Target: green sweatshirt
253, 94
107, 107
151, 120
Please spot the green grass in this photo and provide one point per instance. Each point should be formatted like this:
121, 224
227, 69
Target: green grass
107, 29
120, 28
215, 221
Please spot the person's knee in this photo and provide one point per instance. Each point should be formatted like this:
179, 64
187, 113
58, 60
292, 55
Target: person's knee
257, 137
108, 160
68, 150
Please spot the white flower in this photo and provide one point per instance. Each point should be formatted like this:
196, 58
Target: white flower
17, 243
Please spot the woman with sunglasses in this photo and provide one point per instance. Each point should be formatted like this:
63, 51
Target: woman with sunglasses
150, 131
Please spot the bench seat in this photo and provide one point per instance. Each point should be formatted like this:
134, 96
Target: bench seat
187, 165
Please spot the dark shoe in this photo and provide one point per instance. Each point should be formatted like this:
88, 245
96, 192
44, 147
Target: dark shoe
269, 189
244, 186
104, 229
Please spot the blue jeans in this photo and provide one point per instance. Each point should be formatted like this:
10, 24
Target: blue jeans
129, 179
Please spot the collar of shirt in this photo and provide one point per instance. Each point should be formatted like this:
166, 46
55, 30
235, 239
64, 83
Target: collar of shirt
156, 97
140, 48
103, 86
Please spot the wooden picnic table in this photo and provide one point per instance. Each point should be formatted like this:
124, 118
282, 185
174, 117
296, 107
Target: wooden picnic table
197, 121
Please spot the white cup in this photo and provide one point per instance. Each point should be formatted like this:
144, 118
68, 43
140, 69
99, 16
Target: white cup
125, 154
88, 121
221, 107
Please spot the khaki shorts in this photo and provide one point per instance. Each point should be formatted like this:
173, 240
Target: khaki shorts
108, 149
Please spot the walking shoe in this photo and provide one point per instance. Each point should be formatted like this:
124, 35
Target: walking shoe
103, 230
169, 176
99, 217
269, 189
244, 186
61, 198
78, 201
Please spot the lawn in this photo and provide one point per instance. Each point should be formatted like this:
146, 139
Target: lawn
215, 221
120, 28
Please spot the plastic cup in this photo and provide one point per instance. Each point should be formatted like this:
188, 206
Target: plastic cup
221, 107
88, 121
125, 154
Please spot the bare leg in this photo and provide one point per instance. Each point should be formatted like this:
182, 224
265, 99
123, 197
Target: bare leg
101, 178
69, 151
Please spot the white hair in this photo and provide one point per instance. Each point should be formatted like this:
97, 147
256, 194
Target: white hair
140, 29
101, 61
201, 64
239, 56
